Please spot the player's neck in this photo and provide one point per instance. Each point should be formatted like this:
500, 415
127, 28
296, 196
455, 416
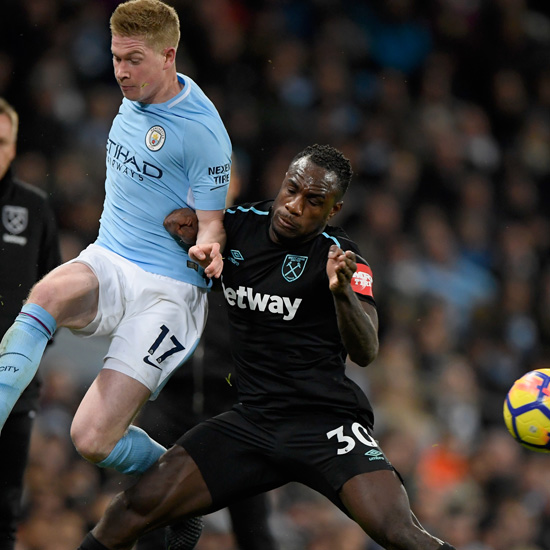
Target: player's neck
170, 90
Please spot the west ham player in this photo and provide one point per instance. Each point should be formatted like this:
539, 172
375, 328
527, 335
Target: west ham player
300, 299
167, 148
29, 249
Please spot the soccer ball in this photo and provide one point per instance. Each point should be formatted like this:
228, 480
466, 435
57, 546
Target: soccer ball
527, 410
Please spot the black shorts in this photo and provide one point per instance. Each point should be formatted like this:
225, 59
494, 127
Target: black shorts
244, 452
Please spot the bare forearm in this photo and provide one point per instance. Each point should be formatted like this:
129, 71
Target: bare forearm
211, 232
357, 321
359, 330
210, 242
211, 228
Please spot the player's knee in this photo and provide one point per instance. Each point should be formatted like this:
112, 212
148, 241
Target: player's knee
398, 536
44, 294
89, 442
127, 522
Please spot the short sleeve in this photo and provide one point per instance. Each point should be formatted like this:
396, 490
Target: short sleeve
207, 157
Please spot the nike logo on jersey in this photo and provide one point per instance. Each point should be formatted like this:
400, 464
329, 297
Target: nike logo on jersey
218, 187
245, 297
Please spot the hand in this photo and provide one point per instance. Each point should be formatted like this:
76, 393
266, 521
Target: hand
183, 225
340, 269
208, 256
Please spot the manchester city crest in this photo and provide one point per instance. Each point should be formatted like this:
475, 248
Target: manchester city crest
15, 218
155, 138
293, 267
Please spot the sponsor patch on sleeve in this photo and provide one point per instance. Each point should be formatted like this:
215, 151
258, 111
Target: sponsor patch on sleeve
361, 281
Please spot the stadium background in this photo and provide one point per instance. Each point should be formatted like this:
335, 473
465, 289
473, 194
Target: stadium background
443, 108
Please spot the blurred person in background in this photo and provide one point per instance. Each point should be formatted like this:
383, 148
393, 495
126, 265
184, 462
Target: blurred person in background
167, 148
300, 300
29, 249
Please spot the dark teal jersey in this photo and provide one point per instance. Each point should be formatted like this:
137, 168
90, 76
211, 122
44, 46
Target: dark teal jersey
285, 340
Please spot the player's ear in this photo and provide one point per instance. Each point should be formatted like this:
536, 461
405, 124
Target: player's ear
169, 56
335, 209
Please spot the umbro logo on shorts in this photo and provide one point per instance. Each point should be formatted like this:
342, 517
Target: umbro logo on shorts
375, 454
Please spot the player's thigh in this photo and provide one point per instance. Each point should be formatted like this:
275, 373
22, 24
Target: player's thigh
106, 411
329, 449
377, 500
159, 332
154, 322
69, 293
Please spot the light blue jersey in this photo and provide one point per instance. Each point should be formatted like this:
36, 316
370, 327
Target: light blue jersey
161, 157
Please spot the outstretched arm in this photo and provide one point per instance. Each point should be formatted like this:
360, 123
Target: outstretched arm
210, 242
357, 321
203, 233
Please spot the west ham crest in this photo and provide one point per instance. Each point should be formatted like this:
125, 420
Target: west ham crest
293, 267
15, 218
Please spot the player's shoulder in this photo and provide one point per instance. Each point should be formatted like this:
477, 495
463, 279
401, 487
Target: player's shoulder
260, 209
249, 216
193, 90
192, 100
336, 235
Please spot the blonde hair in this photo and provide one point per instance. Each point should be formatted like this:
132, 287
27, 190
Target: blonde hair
11, 113
157, 22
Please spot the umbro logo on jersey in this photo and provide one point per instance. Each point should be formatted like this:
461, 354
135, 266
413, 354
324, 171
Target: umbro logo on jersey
235, 257
246, 298
293, 267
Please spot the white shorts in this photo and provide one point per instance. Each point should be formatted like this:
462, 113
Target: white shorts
154, 322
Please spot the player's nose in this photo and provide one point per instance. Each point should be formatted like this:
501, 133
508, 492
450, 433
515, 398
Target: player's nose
121, 71
295, 205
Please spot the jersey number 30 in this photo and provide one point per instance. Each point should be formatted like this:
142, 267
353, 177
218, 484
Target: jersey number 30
360, 433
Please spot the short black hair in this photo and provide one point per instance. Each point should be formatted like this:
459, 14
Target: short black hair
331, 159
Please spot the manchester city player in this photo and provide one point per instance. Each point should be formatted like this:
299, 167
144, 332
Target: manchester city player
167, 148
300, 300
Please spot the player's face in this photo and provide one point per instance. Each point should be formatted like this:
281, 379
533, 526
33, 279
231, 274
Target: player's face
139, 70
7, 144
308, 198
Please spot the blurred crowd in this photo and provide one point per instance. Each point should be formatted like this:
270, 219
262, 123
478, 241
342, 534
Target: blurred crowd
443, 107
